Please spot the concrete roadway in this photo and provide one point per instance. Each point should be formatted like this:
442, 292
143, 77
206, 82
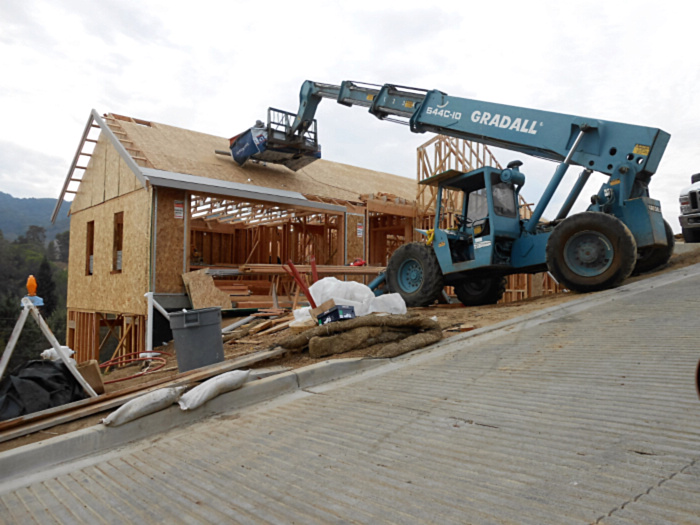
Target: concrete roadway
586, 413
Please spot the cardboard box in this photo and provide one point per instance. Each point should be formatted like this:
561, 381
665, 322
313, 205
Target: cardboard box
90, 370
315, 312
338, 312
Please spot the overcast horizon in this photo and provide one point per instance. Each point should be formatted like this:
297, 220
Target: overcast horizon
217, 68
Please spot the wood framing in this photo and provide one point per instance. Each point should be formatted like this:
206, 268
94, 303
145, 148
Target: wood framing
149, 221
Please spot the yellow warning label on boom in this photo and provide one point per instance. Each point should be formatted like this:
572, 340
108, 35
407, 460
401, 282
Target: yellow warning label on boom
641, 150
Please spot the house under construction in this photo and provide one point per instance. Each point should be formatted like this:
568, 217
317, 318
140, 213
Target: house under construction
153, 202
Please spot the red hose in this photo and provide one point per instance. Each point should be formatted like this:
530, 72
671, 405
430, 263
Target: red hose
122, 360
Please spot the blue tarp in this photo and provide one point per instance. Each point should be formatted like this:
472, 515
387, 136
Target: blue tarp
248, 144
255, 143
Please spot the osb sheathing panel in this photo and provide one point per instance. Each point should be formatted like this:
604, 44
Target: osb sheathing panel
356, 237
105, 291
203, 292
127, 180
183, 151
112, 179
170, 241
107, 176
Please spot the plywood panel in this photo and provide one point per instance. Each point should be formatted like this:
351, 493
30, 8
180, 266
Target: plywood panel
170, 241
356, 234
203, 292
107, 176
105, 290
127, 180
112, 177
97, 188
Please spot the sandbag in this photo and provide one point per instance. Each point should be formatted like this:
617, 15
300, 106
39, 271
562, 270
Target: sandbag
213, 387
144, 405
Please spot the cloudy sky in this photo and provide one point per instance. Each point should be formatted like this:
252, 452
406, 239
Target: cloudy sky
216, 66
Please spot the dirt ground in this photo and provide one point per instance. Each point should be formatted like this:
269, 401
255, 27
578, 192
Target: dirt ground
453, 319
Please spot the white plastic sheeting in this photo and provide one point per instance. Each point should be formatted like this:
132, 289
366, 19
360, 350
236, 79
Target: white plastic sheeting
351, 293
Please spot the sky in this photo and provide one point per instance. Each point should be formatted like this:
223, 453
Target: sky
216, 66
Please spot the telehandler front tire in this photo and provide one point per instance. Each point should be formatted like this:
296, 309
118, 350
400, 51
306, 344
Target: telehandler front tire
414, 273
591, 251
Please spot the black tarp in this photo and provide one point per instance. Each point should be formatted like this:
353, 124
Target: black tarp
37, 385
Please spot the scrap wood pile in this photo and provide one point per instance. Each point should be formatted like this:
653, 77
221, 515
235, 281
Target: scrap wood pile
380, 326
378, 335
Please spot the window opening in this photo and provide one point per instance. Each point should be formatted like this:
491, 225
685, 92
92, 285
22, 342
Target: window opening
118, 240
90, 248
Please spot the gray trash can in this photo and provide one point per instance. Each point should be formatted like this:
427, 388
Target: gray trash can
197, 337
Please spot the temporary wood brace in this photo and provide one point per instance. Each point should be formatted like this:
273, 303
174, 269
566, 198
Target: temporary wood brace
27, 308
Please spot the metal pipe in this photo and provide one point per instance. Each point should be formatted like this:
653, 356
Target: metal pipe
552, 186
149, 325
575, 192
162, 310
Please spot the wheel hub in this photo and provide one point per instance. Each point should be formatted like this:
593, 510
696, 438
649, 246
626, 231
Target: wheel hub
588, 253
411, 275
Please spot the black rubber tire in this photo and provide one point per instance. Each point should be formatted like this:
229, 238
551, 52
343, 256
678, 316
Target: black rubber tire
476, 292
649, 259
609, 231
431, 285
691, 236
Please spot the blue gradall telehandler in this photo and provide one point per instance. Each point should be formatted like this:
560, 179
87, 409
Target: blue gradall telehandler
621, 232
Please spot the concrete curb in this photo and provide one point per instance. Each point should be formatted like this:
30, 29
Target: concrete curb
38, 458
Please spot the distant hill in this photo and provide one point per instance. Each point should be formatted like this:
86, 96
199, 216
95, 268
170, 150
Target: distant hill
16, 215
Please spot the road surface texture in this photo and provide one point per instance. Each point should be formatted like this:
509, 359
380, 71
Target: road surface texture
588, 414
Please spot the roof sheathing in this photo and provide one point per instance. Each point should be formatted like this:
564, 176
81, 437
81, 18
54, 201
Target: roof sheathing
183, 151
94, 121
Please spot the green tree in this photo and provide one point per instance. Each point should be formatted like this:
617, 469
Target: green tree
52, 251
57, 322
46, 287
36, 235
62, 242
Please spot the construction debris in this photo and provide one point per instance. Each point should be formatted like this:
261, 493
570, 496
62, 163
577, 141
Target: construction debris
403, 333
203, 292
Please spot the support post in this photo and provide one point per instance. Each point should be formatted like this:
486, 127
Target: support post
13, 340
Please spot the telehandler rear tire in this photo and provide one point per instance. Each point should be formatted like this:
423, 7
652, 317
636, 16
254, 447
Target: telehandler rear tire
477, 292
591, 251
649, 259
414, 273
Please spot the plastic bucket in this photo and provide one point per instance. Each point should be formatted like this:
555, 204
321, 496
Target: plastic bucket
197, 337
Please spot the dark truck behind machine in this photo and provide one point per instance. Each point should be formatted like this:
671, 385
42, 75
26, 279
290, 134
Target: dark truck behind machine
690, 210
